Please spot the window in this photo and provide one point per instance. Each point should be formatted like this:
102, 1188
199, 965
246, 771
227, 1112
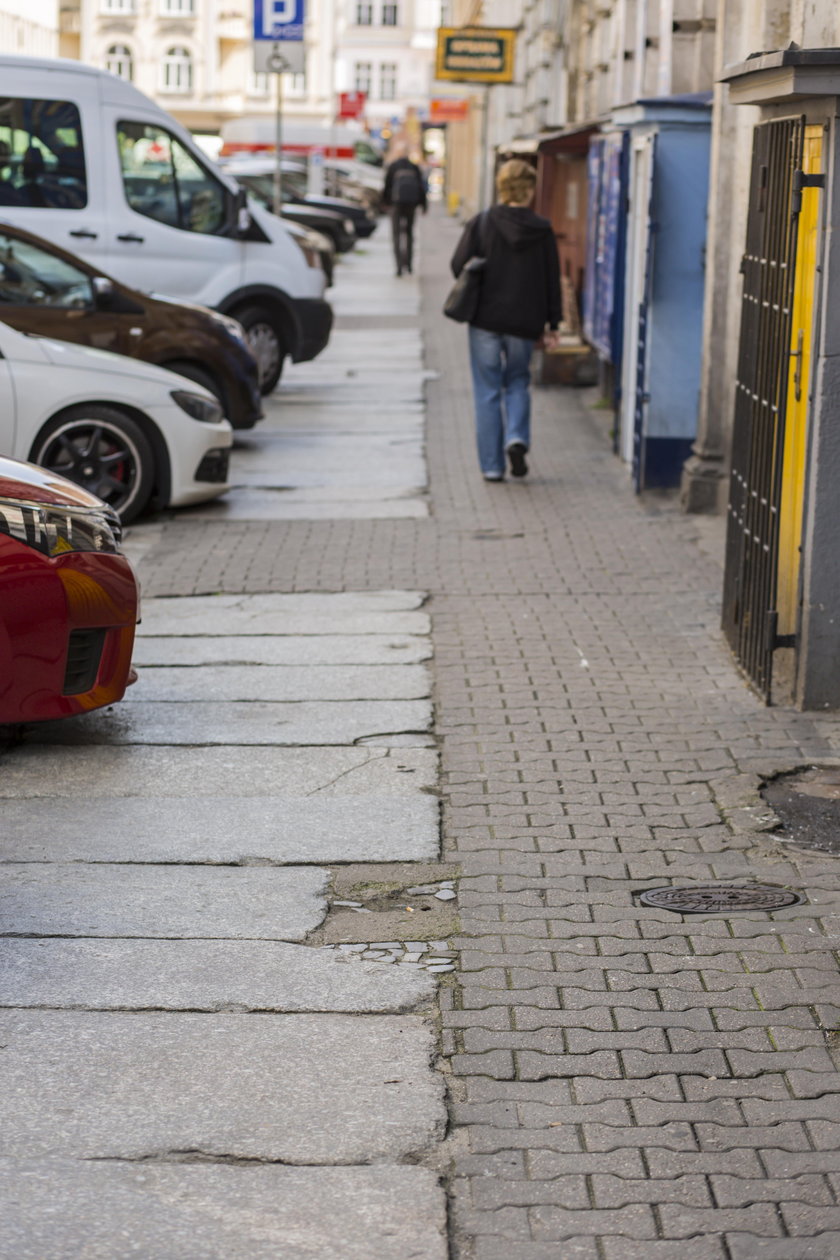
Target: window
258, 84
119, 61
118, 6
42, 160
296, 84
364, 15
177, 70
388, 81
363, 76
390, 15
165, 181
31, 276
177, 8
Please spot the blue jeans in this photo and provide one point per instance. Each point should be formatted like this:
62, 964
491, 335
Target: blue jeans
501, 388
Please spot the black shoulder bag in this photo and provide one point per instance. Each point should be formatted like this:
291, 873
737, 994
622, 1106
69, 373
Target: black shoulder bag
462, 302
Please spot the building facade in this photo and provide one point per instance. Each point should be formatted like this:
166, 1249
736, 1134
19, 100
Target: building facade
29, 28
194, 57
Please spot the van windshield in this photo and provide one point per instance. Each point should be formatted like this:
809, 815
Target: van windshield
42, 160
163, 180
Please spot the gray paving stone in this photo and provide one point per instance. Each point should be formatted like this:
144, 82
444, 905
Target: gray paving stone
219, 829
320, 723
65, 1209
268, 903
221, 683
30, 771
201, 975
282, 649
305, 1089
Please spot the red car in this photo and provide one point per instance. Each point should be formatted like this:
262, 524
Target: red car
68, 598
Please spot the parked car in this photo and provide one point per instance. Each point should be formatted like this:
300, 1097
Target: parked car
97, 167
317, 250
46, 290
68, 599
256, 175
337, 228
129, 432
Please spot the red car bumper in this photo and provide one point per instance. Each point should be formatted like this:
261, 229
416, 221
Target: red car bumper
66, 632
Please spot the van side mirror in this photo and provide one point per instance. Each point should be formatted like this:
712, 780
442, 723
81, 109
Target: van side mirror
242, 222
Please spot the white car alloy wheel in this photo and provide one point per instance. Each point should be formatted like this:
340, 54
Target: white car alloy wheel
103, 450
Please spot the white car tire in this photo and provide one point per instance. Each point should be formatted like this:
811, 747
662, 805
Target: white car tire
102, 449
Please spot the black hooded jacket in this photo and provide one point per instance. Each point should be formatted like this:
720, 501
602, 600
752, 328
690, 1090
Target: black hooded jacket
520, 286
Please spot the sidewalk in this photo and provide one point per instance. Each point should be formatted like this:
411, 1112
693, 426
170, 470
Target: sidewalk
623, 1081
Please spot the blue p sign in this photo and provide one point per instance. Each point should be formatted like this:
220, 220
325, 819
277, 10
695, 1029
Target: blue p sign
278, 19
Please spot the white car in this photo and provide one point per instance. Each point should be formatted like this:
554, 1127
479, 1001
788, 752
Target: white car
127, 431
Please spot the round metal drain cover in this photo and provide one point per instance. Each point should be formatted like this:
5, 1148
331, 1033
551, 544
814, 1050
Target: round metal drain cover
719, 898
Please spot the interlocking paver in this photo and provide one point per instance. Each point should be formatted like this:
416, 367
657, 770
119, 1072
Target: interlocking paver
596, 740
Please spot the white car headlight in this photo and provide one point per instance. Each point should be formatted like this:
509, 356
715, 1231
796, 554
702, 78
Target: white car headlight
198, 407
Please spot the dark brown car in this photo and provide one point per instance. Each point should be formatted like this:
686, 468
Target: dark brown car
46, 291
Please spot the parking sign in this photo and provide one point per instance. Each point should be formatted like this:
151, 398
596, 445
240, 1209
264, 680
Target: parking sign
279, 20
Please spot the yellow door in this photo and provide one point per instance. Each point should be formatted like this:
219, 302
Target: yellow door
796, 413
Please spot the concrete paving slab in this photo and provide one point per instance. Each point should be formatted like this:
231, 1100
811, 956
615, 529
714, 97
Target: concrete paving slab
325, 492
202, 976
377, 612
321, 417
69, 1209
309, 1089
212, 902
253, 504
321, 722
281, 682
367, 479
226, 830
321, 649
102, 774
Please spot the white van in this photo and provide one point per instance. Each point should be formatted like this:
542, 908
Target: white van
96, 167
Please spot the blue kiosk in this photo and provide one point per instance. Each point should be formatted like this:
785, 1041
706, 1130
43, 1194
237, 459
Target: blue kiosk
645, 293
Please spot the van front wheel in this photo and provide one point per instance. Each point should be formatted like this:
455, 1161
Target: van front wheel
266, 342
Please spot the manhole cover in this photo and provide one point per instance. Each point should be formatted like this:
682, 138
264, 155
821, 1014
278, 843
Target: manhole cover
715, 898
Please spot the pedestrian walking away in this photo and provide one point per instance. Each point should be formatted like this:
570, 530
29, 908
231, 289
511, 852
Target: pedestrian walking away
519, 305
404, 191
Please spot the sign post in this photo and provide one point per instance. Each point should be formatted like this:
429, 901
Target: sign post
279, 49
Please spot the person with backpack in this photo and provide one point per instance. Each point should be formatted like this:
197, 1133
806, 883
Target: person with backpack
404, 191
519, 299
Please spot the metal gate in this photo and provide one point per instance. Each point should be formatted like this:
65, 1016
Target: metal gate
749, 592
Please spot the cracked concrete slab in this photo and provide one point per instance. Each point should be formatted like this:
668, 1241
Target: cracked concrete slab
253, 504
67, 1209
314, 1089
41, 770
79, 899
254, 649
203, 976
376, 612
319, 722
281, 682
223, 829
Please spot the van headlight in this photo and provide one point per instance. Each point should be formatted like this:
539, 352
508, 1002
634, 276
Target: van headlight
54, 531
198, 407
